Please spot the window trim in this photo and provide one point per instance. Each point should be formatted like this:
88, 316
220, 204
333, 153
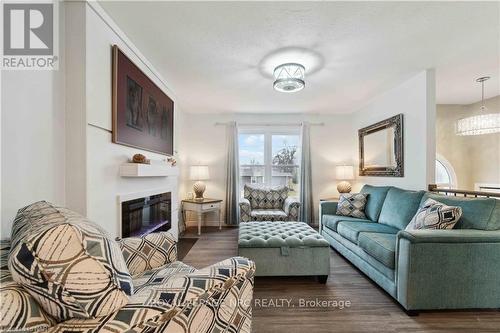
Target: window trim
451, 171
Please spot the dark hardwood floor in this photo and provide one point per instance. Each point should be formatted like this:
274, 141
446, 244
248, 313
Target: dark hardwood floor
370, 310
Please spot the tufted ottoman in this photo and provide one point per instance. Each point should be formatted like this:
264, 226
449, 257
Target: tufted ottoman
285, 249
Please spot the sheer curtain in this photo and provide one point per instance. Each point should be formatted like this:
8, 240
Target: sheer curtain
306, 200
232, 175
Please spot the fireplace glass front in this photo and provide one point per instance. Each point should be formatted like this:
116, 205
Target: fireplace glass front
145, 215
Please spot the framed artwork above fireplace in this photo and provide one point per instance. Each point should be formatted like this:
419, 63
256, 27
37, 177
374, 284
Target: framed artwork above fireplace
143, 115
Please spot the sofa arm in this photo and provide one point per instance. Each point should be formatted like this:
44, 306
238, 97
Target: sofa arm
448, 269
450, 236
161, 250
245, 210
326, 208
292, 208
224, 273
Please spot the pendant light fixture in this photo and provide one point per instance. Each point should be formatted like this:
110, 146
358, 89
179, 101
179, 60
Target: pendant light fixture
483, 123
289, 77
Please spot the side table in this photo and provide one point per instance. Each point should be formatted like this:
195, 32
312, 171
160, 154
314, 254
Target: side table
201, 206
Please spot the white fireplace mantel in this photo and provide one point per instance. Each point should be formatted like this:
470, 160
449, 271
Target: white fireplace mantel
148, 170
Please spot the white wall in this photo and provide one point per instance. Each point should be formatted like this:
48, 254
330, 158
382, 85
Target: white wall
32, 138
203, 142
102, 184
415, 98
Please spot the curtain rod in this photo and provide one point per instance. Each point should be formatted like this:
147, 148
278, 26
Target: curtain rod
269, 124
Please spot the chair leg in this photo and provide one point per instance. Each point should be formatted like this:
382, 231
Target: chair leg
412, 313
322, 278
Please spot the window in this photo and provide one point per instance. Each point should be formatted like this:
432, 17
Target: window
270, 157
445, 175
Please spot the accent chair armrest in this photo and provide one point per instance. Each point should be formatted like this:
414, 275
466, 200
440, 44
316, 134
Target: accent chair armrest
162, 249
291, 207
244, 202
245, 210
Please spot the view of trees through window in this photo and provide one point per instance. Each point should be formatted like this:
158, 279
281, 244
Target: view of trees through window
270, 158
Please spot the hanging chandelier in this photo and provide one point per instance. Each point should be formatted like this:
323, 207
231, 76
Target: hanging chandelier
289, 77
483, 123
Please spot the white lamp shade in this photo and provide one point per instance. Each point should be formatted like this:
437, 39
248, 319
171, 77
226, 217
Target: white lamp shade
198, 172
344, 172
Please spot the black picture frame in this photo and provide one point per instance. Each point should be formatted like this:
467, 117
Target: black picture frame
143, 115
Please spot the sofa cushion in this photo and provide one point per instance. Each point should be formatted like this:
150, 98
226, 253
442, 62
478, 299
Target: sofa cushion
351, 230
20, 312
67, 263
148, 252
5, 275
380, 246
268, 215
213, 299
399, 207
433, 214
331, 221
262, 197
352, 204
158, 276
477, 213
375, 200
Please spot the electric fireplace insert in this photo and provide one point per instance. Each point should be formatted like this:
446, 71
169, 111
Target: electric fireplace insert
145, 215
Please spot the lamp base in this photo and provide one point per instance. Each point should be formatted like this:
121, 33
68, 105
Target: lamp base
344, 187
199, 188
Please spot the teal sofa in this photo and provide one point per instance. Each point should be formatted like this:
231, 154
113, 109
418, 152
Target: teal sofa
422, 269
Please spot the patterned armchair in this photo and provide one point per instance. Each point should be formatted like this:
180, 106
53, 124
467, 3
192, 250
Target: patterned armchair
268, 204
168, 295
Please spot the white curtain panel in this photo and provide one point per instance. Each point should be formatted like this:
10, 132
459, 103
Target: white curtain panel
306, 200
232, 175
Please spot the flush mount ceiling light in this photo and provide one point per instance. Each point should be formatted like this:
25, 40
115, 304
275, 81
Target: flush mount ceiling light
289, 77
483, 123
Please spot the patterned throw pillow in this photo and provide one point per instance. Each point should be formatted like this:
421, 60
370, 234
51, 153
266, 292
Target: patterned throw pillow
262, 197
435, 215
68, 264
352, 204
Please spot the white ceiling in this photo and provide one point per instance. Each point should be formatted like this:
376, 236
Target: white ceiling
218, 56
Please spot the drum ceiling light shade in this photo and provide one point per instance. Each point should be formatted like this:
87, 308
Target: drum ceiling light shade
289, 77
484, 123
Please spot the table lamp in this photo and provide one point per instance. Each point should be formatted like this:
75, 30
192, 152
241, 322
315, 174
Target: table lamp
344, 173
199, 173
